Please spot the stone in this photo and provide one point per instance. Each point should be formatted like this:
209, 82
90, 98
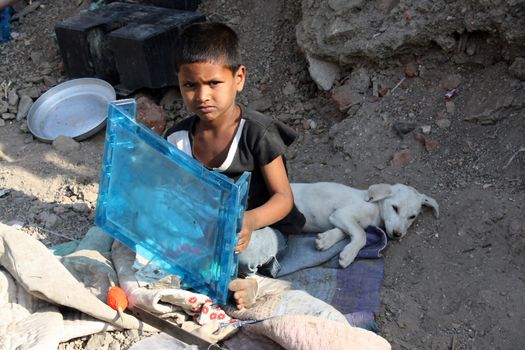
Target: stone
323, 73
517, 68
80, 207
401, 128
262, 104
350, 35
36, 57
345, 97
23, 107
401, 158
425, 129
49, 81
289, 89
99, 341
450, 106
443, 123
49, 220
411, 70
2, 122
23, 128
8, 116
451, 81
170, 98
90, 193
360, 80
33, 92
4, 107
65, 145
151, 115
12, 98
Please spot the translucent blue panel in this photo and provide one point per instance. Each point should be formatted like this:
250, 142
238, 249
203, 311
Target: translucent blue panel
157, 200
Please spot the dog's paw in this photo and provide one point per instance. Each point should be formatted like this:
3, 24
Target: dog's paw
347, 256
324, 241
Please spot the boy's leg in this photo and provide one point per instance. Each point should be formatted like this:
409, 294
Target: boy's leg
261, 255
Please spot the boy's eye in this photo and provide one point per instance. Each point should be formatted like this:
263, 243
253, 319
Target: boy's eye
214, 82
188, 85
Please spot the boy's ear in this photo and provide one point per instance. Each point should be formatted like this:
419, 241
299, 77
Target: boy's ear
240, 77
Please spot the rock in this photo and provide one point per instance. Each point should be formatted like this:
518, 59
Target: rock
345, 97
36, 57
28, 139
90, 193
289, 89
2, 122
33, 92
359, 80
66, 145
151, 115
517, 68
401, 158
4, 107
49, 220
515, 227
49, 81
8, 116
402, 128
411, 70
170, 99
286, 117
425, 129
80, 207
12, 98
115, 345
262, 104
443, 123
451, 81
23, 128
348, 36
99, 341
323, 73
23, 107
449, 105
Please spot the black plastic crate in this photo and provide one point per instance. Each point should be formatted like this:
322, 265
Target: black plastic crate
123, 43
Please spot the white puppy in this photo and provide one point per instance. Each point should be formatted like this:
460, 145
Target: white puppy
337, 210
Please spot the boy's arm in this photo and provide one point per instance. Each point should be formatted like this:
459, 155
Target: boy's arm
276, 208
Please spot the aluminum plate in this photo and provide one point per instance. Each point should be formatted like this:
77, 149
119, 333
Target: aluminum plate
76, 108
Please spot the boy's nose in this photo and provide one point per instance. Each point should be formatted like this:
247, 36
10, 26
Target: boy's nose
202, 94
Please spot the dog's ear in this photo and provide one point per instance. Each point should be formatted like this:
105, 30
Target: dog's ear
377, 192
431, 202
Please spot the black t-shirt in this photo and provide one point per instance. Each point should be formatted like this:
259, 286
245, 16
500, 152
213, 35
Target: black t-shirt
258, 141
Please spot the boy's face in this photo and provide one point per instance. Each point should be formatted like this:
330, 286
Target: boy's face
209, 89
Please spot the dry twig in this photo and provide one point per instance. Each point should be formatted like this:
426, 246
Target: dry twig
522, 149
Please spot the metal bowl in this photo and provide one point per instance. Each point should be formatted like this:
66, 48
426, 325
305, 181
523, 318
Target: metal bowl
76, 108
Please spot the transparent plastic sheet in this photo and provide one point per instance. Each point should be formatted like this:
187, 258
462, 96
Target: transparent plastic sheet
157, 200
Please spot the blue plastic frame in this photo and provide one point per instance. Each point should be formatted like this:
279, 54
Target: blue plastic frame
154, 197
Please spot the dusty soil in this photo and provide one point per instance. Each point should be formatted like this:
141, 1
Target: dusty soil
455, 282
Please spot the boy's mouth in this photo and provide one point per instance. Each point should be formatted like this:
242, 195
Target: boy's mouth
205, 109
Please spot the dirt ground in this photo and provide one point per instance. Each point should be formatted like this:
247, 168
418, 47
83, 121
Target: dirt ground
455, 282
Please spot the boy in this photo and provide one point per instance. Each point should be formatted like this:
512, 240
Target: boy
230, 139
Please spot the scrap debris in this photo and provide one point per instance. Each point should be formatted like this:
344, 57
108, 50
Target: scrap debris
522, 149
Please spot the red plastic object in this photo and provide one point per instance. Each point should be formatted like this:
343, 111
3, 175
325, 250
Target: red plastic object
117, 298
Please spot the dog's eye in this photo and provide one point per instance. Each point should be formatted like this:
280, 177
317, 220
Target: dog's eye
396, 209
412, 217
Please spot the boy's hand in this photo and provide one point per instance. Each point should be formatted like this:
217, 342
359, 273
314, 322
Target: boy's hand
246, 233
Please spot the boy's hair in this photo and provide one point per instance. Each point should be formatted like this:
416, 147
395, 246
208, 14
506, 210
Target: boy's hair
208, 42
